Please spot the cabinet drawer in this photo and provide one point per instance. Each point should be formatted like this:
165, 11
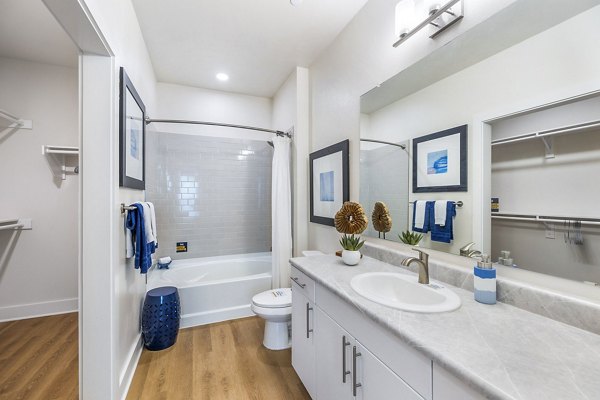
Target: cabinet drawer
408, 363
302, 283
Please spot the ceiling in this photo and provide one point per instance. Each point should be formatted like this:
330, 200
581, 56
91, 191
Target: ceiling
29, 32
257, 43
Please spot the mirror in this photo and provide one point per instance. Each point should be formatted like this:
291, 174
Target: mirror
538, 82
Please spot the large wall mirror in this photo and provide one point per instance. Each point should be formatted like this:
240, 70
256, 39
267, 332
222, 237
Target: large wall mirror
532, 108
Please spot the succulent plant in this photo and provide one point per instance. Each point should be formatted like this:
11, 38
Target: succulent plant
409, 237
351, 243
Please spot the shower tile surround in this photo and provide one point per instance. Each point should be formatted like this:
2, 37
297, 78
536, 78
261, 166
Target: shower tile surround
212, 192
569, 310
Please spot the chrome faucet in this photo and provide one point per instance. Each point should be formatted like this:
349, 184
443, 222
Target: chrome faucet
423, 262
466, 251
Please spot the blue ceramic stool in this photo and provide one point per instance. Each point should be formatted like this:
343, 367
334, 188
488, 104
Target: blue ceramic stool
160, 318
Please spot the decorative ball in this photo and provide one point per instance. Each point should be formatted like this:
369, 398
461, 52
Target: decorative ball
351, 219
382, 220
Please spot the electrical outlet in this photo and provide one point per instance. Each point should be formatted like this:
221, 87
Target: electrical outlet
550, 231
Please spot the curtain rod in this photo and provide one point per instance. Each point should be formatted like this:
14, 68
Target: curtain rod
403, 147
183, 121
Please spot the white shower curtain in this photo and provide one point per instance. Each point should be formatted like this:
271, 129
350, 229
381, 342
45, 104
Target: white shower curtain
281, 212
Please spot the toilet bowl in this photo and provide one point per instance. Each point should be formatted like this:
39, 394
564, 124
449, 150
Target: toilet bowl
275, 307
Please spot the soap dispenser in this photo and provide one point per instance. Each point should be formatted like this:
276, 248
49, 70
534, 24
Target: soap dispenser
484, 281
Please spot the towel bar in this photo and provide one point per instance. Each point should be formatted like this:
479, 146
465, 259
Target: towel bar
459, 203
126, 208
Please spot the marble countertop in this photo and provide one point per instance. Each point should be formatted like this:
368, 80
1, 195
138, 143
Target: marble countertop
501, 351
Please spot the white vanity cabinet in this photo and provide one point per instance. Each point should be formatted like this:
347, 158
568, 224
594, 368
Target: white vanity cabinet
347, 370
303, 347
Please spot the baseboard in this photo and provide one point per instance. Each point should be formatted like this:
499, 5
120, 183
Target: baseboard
127, 373
210, 317
24, 311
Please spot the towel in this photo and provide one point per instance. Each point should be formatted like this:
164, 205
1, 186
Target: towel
137, 226
153, 223
439, 212
444, 233
421, 216
147, 222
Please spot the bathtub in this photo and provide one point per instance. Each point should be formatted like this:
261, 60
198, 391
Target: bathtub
214, 289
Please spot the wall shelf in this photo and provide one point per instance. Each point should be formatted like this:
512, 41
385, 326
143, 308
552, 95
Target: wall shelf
547, 135
9, 121
16, 224
57, 157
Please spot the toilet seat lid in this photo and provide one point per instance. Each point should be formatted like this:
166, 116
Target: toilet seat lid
274, 298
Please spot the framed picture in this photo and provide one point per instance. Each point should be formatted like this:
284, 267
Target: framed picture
132, 136
440, 161
329, 182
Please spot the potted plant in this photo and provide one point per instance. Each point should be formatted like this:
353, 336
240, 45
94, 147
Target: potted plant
351, 245
411, 238
351, 220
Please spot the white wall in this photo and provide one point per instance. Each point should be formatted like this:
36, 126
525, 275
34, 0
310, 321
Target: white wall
38, 271
290, 110
118, 24
532, 71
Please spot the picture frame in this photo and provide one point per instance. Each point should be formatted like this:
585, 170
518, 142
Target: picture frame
329, 182
132, 136
440, 161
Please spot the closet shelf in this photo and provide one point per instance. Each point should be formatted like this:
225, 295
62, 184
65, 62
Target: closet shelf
15, 224
7, 120
547, 135
57, 158
545, 218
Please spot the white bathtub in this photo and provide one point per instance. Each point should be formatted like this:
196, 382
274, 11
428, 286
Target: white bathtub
214, 289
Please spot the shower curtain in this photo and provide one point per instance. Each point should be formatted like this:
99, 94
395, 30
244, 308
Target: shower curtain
281, 212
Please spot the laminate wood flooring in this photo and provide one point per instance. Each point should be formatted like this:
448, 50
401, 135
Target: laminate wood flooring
219, 361
38, 358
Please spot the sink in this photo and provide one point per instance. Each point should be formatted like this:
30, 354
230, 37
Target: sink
402, 291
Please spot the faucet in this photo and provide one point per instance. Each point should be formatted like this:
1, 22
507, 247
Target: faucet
423, 262
467, 252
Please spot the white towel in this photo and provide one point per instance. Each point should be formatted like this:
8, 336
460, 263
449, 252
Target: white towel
420, 213
148, 222
439, 211
129, 250
153, 222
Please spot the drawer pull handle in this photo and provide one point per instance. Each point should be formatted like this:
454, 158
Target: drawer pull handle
308, 330
355, 385
344, 372
302, 285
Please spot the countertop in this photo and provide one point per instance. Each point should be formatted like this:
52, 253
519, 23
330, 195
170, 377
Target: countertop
501, 351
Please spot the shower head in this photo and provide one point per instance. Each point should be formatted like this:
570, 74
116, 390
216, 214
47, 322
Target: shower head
270, 142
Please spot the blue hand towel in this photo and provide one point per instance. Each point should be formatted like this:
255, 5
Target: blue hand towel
427, 220
143, 251
444, 233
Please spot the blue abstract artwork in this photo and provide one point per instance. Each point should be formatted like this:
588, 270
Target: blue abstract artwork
437, 162
134, 148
326, 185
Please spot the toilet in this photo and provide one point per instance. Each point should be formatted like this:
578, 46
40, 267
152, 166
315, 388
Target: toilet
275, 307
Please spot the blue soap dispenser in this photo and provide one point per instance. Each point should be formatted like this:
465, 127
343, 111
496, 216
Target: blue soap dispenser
484, 281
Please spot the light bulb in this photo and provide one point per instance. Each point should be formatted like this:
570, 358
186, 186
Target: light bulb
222, 77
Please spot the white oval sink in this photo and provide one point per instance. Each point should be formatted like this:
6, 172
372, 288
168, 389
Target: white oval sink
404, 292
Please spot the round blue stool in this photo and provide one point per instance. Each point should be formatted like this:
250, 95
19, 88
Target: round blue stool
160, 318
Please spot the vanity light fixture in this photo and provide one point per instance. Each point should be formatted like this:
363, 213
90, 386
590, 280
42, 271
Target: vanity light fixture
222, 77
409, 14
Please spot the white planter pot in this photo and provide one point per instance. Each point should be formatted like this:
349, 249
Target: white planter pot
350, 257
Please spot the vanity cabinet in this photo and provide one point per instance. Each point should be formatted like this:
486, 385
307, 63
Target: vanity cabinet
303, 348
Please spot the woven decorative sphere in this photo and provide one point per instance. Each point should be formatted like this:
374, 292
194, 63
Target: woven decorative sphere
382, 220
351, 219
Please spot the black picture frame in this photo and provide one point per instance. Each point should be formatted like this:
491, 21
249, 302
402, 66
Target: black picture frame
328, 155
132, 130
418, 170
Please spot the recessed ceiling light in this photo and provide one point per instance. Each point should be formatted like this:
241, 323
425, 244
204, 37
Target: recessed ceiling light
295, 2
222, 76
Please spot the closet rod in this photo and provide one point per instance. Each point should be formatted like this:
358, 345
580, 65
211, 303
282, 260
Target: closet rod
183, 121
538, 218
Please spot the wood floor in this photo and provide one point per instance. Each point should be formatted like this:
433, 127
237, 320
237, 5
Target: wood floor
218, 361
38, 358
